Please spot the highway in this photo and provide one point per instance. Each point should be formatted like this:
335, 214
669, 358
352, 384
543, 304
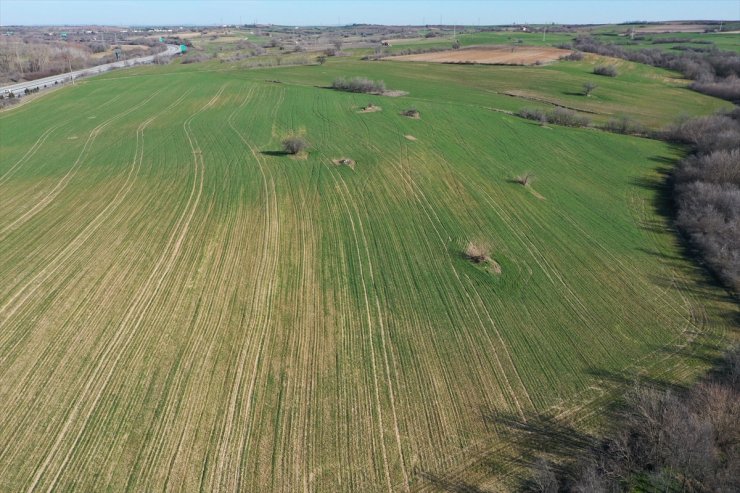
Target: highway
20, 88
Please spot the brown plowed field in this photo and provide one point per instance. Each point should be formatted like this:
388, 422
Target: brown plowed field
494, 55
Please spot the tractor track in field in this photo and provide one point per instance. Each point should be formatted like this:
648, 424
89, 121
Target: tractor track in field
345, 194
341, 188
201, 342
422, 199
37, 145
582, 411
59, 261
134, 316
425, 205
216, 316
256, 323
62, 183
75, 244
31, 151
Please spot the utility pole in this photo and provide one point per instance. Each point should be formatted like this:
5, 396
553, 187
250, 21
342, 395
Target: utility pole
544, 34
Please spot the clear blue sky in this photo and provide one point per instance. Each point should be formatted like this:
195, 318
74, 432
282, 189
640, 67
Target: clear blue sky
324, 12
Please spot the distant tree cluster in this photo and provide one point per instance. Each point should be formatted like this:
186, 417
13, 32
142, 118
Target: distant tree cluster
359, 84
707, 190
663, 441
715, 71
32, 58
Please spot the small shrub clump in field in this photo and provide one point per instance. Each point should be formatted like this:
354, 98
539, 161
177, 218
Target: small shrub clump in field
411, 113
294, 144
588, 88
477, 252
359, 84
608, 70
197, 58
576, 56
558, 116
525, 179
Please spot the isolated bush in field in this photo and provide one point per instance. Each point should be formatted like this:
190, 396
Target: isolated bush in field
588, 88
197, 58
359, 84
321, 59
573, 57
477, 252
411, 113
608, 70
294, 144
525, 179
456, 45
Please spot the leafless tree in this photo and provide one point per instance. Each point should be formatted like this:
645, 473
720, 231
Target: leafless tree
525, 179
588, 88
294, 144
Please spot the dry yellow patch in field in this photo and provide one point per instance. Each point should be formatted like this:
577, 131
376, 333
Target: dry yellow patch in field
491, 55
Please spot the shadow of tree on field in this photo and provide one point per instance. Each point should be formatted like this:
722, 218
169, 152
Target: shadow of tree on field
275, 153
661, 185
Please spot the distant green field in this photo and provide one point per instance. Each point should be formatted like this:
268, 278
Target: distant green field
184, 307
698, 41
607, 34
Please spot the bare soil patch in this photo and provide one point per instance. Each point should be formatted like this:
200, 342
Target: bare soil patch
410, 137
344, 161
370, 108
493, 266
394, 94
491, 55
